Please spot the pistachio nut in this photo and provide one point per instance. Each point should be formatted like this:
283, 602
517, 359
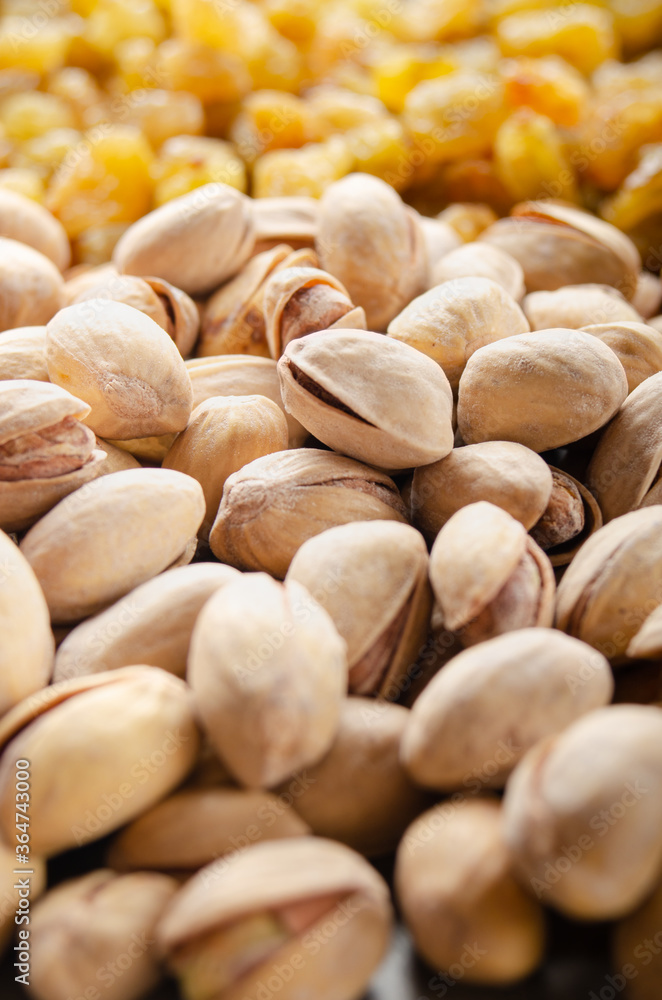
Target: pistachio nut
637, 949
196, 241
146, 449
452, 320
576, 306
182, 314
440, 239
151, 625
302, 300
23, 353
230, 927
369, 397
359, 793
269, 672
26, 652
561, 245
647, 643
625, 469
543, 389
481, 260
31, 287
86, 927
489, 576
504, 473
102, 541
637, 345
291, 220
82, 277
25, 220
274, 504
467, 729
374, 244
117, 459
241, 375
10, 890
195, 826
614, 582
454, 883
571, 516
372, 579
102, 750
123, 364
222, 436
647, 297
583, 812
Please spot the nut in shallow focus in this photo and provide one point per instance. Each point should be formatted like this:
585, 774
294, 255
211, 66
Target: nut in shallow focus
577, 306
285, 220
225, 930
31, 287
23, 353
481, 260
571, 515
637, 345
27, 221
274, 504
372, 580
93, 924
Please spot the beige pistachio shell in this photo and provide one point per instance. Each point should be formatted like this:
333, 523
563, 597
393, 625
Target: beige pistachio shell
183, 317
481, 260
369, 397
613, 582
31, 286
440, 239
638, 347
26, 221
146, 449
571, 516
543, 389
102, 541
197, 825
467, 730
636, 949
454, 319
81, 277
23, 353
504, 473
372, 580
274, 504
28, 406
269, 672
11, 891
195, 242
322, 880
647, 643
102, 750
241, 375
374, 244
577, 306
151, 625
656, 323
647, 297
130, 290
117, 459
124, 365
459, 898
285, 220
24, 501
626, 463
560, 245
27, 648
98, 931
302, 300
224, 434
583, 812
359, 793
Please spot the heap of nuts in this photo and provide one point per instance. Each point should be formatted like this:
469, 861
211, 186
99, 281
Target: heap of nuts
324, 538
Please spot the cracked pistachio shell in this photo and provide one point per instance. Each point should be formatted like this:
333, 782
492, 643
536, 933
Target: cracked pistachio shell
23, 353
452, 320
454, 883
502, 472
637, 346
269, 672
151, 625
282, 893
102, 750
636, 944
359, 793
27, 648
241, 375
9, 890
274, 504
593, 796
195, 826
26, 221
182, 316
88, 926
102, 541
543, 389
625, 468
123, 364
372, 579
614, 582
488, 575
224, 434
559, 245
369, 397
468, 729
481, 260
571, 516
576, 306
195, 242
372, 242
31, 286
285, 220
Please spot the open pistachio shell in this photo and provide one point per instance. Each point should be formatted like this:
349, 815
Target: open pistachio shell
571, 516
637, 345
130, 290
